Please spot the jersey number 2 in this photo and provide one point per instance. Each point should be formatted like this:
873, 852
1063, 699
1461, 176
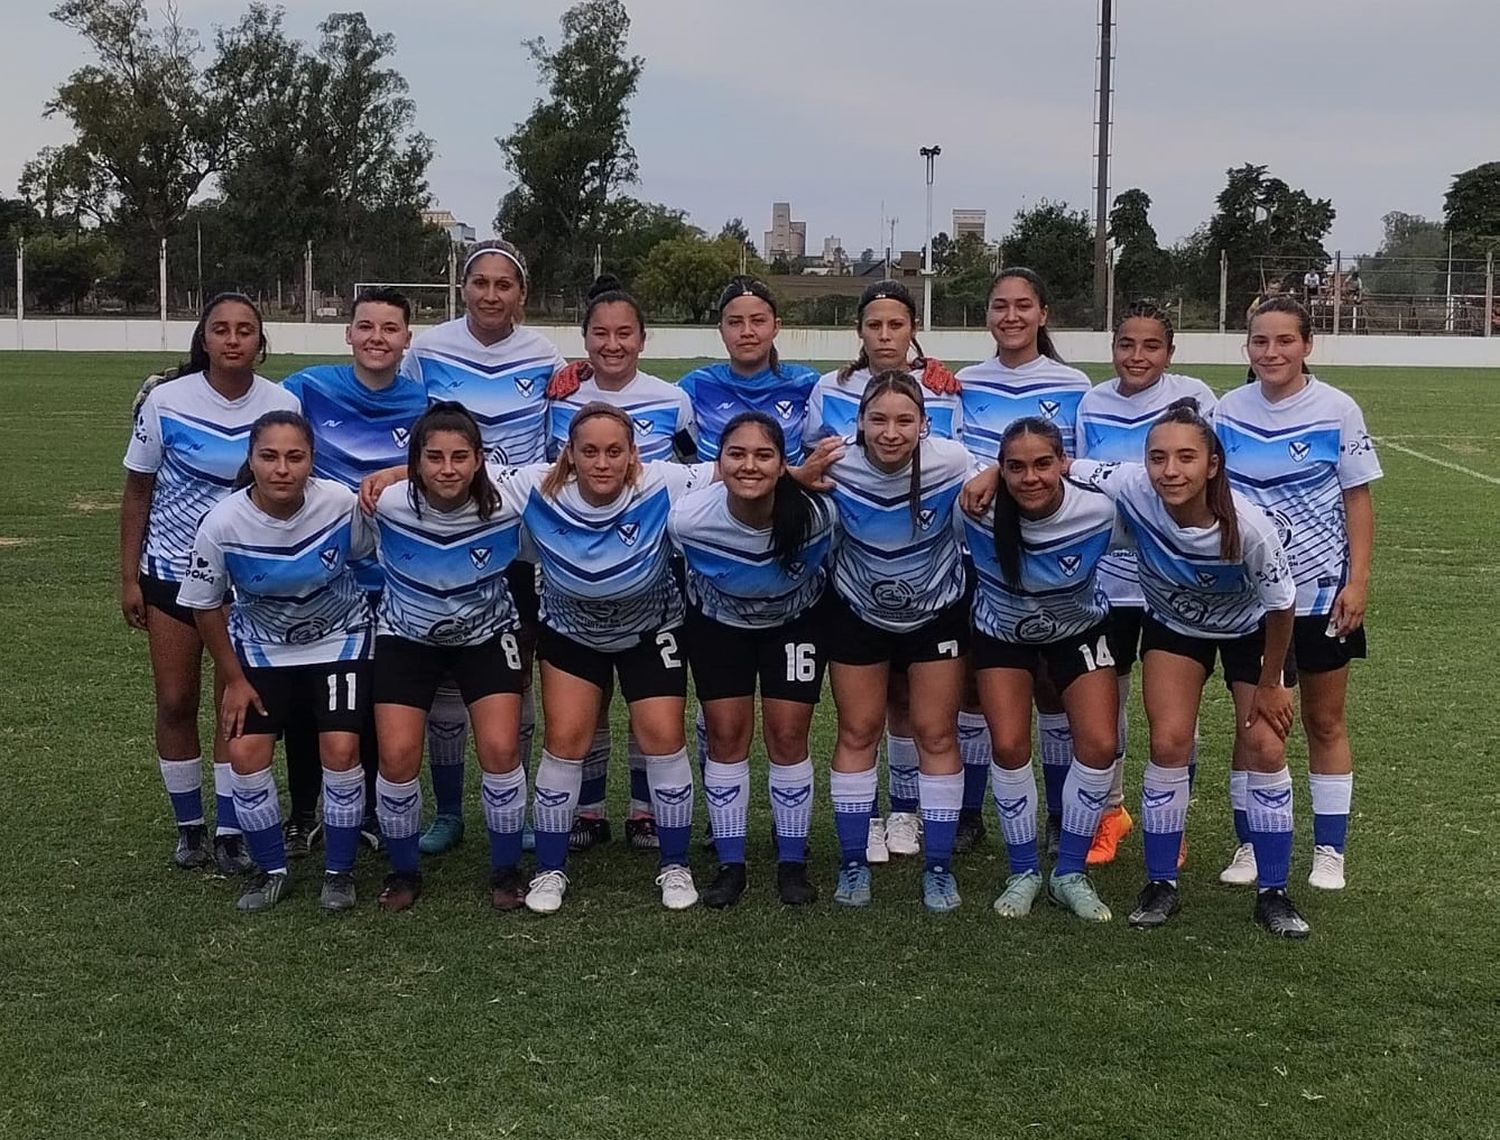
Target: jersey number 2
666, 641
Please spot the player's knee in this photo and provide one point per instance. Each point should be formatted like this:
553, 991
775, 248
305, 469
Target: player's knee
1095, 748
784, 744
1171, 747
1012, 749
1325, 727
339, 753
177, 706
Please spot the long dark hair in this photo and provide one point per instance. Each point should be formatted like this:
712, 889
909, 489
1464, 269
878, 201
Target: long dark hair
1217, 492
792, 507
448, 415
895, 380
882, 291
606, 290
197, 357
279, 418
1007, 510
1283, 303
1032, 278
744, 285
1149, 310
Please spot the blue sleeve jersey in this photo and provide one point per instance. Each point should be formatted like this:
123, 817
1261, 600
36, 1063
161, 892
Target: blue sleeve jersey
717, 394
1295, 459
504, 385
296, 601
1188, 586
445, 571
895, 572
995, 396
606, 572
833, 408
661, 413
1112, 428
194, 442
1058, 595
734, 576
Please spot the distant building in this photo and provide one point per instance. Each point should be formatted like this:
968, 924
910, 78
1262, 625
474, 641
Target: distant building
968, 222
785, 238
459, 232
833, 252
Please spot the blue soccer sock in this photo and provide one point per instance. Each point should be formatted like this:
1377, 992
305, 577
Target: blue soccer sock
1269, 810
504, 796
975, 751
1055, 742
791, 788
595, 775
671, 780
942, 797
554, 800
1238, 782
447, 741
399, 809
1331, 798
1084, 793
1164, 805
853, 795
258, 809
184, 783
901, 764
1014, 790
726, 791
343, 812
225, 821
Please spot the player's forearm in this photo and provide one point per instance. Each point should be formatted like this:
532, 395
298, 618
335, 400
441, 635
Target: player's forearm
213, 627
1278, 641
1359, 521
135, 505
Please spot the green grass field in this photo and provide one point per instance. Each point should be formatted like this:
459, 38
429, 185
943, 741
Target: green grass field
136, 1002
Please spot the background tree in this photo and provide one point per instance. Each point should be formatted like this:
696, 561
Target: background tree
635, 228
683, 277
1412, 257
62, 270
1143, 268
1471, 210
1059, 244
734, 230
63, 185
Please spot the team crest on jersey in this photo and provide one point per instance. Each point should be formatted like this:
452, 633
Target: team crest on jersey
480, 556
643, 425
1206, 578
1037, 627
1048, 409
926, 516
628, 532
784, 409
401, 436
1069, 564
524, 385
794, 569
1190, 607
1299, 449
892, 594
330, 558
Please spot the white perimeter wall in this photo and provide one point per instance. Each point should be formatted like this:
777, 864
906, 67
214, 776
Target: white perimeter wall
794, 344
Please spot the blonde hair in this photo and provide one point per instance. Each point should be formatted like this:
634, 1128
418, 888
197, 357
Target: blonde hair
563, 470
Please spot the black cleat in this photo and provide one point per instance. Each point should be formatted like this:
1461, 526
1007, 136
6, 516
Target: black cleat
193, 849
641, 834
588, 831
230, 856
970, 831
792, 885
1275, 912
727, 886
301, 834
1157, 903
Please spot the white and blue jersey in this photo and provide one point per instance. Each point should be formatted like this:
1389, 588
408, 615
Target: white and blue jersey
444, 570
1295, 459
994, 397
1188, 586
503, 385
894, 572
1112, 428
734, 576
606, 572
296, 600
718, 394
661, 413
194, 442
833, 407
1058, 595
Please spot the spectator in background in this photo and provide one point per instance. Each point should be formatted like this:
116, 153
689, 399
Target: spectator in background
1312, 284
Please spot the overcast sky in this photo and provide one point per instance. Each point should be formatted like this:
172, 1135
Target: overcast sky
1372, 103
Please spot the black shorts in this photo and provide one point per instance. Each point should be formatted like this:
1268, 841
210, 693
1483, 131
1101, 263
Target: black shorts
521, 578
1125, 636
853, 641
1066, 659
410, 672
788, 660
161, 595
653, 667
1314, 651
1241, 656
333, 696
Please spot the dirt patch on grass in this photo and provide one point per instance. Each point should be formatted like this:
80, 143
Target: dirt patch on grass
94, 504
11, 540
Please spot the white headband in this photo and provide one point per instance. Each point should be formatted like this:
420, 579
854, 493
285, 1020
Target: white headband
510, 257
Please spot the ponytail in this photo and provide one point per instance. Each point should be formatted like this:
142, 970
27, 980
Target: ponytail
1007, 510
1218, 495
880, 291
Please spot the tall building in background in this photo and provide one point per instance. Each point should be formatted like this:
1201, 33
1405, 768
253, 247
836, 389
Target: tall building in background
968, 222
785, 238
833, 251
460, 232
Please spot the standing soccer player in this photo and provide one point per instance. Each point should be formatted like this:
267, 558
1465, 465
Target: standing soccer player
1299, 449
186, 448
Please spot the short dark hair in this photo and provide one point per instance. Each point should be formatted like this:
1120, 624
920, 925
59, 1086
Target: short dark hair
382, 295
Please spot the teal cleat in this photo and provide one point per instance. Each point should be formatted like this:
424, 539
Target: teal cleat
444, 833
854, 886
1076, 893
1018, 895
940, 890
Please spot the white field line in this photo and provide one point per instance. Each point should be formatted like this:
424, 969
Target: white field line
1386, 442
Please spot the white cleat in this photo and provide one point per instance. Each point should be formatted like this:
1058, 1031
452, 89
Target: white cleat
903, 833
677, 890
1327, 872
545, 894
1242, 871
875, 849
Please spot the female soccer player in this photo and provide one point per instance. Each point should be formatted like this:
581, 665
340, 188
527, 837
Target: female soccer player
498, 369
1036, 552
1025, 377
446, 540
1216, 584
186, 447
1298, 448
897, 606
1113, 419
755, 545
886, 322
294, 642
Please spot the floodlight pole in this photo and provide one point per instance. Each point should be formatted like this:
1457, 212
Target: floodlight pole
20, 292
161, 284
930, 153
1101, 187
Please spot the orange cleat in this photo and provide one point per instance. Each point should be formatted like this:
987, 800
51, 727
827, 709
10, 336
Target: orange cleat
1182, 854
1114, 825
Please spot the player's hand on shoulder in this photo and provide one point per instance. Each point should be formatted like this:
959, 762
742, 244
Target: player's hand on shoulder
979, 492
813, 472
372, 486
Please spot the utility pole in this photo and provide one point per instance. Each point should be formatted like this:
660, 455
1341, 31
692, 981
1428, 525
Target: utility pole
930, 153
1101, 186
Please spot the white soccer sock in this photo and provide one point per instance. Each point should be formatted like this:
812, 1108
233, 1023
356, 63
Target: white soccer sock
726, 790
504, 796
1014, 790
398, 806
791, 787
